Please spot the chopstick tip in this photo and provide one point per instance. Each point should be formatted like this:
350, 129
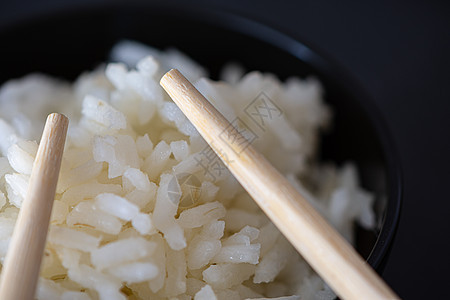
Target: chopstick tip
169, 76
56, 116
58, 119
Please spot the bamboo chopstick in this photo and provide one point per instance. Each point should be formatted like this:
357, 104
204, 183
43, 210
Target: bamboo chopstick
322, 246
23, 260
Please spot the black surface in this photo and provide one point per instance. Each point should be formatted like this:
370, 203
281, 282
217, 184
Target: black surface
400, 54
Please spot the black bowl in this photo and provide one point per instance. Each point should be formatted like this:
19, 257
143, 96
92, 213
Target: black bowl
65, 43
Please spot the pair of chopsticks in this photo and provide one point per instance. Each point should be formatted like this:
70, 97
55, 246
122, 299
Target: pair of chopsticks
326, 251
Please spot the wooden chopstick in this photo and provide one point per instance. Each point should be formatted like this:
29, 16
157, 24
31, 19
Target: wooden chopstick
23, 260
320, 244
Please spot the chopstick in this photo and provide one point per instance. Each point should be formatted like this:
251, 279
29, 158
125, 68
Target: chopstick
321, 245
23, 260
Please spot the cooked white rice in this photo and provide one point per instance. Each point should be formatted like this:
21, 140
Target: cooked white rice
144, 209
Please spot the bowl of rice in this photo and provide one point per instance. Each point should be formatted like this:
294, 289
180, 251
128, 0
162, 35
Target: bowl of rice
144, 208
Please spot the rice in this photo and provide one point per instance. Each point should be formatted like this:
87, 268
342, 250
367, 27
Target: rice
144, 208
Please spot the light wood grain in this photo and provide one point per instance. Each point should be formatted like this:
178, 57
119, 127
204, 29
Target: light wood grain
320, 244
23, 260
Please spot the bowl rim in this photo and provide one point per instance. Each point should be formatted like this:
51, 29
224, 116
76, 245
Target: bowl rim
304, 51
343, 78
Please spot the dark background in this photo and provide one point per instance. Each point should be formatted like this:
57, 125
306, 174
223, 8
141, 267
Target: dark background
399, 51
